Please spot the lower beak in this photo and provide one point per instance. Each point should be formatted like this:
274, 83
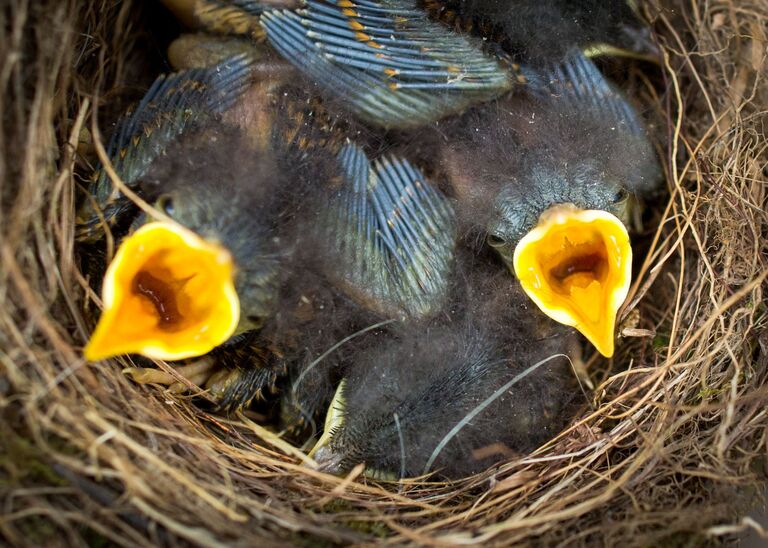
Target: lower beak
607, 50
168, 294
576, 265
333, 420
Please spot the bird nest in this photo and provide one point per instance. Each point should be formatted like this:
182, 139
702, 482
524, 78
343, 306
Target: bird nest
670, 446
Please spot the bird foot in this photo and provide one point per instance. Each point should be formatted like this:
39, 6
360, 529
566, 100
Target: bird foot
197, 373
232, 378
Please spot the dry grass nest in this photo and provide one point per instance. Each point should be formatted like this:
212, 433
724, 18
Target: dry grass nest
671, 448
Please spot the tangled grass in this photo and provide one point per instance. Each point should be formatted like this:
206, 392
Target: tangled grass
672, 447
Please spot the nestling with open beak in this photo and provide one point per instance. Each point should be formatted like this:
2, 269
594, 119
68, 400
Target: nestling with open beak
247, 207
198, 274
547, 172
483, 382
551, 179
178, 288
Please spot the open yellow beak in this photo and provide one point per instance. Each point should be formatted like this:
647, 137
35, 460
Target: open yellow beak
168, 294
576, 265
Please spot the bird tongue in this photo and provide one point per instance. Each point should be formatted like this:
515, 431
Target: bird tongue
163, 295
587, 300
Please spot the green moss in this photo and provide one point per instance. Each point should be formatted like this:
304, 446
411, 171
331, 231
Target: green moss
22, 462
706, 394
372, 528
335, 506
38, 530
660, 342
686, 540
94, 539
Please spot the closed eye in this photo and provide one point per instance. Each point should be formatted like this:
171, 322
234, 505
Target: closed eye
494, 240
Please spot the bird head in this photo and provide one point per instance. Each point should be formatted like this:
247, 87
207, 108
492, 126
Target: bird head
385, 412
167, 294
447, 398
549, 179
567, 244
179, 287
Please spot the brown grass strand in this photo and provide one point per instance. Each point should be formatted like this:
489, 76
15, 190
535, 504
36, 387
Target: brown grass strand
672, 448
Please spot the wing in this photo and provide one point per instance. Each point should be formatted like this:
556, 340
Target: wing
580, 87
387, 60
391, 236
578, 82
174, 104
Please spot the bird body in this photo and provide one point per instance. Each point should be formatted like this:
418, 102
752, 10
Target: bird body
481, 382
563, 141
550, 178
543, 32
271, 189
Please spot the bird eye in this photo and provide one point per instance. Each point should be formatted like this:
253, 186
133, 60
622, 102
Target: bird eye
165, 203
494, 240
620, 196
255, 321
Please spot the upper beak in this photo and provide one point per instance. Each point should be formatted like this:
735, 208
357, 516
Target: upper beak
168, 294
576, 265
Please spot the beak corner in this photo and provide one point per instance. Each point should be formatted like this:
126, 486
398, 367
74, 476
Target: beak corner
327, 460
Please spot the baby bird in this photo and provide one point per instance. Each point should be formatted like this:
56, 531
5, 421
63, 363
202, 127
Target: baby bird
189, 268
545, 31
388, 61
244, 202
359, 52
547, 172
403, 63
174, 105
551, 179
479, 384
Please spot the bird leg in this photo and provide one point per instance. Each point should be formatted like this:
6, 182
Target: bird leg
196, 372
233, 377
198, 378
579, 365
199, 50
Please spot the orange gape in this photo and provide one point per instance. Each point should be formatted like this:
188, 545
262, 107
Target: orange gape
576, 265
168, 294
